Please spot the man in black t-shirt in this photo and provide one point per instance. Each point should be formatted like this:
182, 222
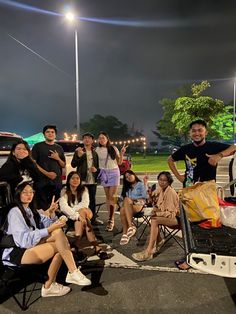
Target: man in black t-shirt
196, 156
50, 157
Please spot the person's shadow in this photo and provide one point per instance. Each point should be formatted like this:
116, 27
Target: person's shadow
96, 272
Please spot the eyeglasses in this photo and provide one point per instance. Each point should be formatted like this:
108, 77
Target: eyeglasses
28, 192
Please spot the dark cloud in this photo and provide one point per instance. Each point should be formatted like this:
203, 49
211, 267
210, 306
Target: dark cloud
124, 70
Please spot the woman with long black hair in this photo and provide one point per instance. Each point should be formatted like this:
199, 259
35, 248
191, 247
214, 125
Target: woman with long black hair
109, 158
39, 238
74, 202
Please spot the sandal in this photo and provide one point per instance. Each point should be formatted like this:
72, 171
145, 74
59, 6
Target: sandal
102, 254
142, 256
159, 245
182, 264
124, 239
131, 231
110, 225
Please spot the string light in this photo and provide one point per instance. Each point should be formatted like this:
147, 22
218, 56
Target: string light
73, 137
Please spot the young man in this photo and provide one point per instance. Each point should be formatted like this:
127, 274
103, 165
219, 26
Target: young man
50, 158
197, 156
85, 160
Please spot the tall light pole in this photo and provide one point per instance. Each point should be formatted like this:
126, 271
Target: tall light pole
71, 18
234, 116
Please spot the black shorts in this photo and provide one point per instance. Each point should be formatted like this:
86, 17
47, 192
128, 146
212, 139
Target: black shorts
16, 255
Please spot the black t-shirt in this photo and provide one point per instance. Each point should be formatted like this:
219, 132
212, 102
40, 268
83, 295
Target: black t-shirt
196, 161
41, 153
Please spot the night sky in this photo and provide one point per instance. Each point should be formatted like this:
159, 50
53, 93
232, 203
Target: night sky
132, 53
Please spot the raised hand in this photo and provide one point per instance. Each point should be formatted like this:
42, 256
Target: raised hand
54, 155
123, 149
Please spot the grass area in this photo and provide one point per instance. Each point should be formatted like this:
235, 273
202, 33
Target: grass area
152, 163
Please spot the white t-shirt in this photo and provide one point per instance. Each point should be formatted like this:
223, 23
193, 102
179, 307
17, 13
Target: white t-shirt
104, 162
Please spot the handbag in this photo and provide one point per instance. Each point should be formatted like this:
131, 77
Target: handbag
200, 202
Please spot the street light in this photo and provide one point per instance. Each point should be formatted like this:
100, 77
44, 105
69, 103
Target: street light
71, 18
234, 116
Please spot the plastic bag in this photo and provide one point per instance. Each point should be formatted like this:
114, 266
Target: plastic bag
228, 216
200, 202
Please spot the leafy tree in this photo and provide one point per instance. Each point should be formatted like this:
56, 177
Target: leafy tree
110, 124
187, 109
191, 105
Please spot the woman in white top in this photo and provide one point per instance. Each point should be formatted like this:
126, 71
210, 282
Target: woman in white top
74, 203
109, 158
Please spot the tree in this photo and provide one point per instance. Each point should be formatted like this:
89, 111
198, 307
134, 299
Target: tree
187, 109
191, 105
110, 124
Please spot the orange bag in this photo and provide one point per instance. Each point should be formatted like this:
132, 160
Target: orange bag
200, 202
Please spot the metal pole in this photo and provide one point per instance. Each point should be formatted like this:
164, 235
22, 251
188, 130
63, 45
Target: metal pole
234, 117
77, 83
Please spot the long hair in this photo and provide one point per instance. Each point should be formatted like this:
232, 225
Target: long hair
20, 141
79, 191
126, 184
18, 203
110, 149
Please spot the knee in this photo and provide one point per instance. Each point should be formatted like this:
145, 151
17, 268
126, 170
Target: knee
58, 233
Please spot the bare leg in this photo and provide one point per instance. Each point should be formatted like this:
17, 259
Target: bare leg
53, 270
155, 222
123, 220
62, 245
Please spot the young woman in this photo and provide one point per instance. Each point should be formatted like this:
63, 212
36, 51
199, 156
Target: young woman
39, 238
109, 158
19, 166
74, 203
165, 209
134, 193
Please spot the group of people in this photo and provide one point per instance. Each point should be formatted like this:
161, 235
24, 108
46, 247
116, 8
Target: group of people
36, 175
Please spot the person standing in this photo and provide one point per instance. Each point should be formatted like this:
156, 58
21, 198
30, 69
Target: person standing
198, 161
85, 160
196, 156
50, 157
109, 158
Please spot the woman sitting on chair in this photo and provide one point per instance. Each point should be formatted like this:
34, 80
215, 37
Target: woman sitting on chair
134, 193
165, 209
74, 202
39, 238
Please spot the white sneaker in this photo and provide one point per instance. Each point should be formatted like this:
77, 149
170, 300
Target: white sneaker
77, 278
55, 290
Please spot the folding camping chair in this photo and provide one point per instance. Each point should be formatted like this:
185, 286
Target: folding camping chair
171, 233
16, 279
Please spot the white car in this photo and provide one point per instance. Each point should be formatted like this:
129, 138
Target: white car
7, 139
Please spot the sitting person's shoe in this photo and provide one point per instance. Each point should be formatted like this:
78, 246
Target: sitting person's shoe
55, 290
124, 239
110, 225
142, 256
77, 278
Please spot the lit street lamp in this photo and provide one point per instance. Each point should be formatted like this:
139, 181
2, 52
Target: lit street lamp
71, 18
234, 116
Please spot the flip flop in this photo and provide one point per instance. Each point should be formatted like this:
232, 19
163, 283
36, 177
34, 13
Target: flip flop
182, 264
124, 239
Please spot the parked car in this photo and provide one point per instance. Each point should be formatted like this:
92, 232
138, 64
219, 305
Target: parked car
7, 139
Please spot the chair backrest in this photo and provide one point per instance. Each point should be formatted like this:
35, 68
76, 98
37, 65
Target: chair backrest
5, 200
